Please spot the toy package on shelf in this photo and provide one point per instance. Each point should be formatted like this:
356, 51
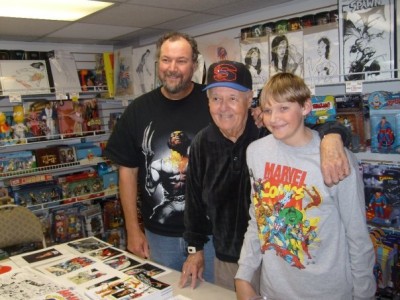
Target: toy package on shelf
91, 116
81, 186
385, 122
47, 156
78, 118
70, 119
323, 110
93, 220
18, 161
350, 113
41, 120
112, 214
35, 191
66, 224
87, 151
6, 120
66, 154
382, 193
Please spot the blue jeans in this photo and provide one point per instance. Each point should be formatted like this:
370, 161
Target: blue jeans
172, 253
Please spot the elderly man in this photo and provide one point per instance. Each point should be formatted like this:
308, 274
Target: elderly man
218, 181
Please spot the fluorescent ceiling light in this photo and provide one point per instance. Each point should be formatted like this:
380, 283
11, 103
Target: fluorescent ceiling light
61, 10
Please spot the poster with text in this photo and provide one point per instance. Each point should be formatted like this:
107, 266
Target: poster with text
366, 30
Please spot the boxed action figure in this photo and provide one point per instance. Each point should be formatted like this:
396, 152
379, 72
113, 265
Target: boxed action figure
382, 193
17, 161
67, 224
81, 186
40, 190
349, 110
385, 122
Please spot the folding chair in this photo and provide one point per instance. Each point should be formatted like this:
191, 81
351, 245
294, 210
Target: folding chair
19, 225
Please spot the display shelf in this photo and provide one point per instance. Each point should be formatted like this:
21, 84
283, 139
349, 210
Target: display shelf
84, 198
60, 139
54, 169
391, 158
60, 95
368, 86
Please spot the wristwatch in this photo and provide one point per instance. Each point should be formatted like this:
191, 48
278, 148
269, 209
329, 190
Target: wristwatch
193, 249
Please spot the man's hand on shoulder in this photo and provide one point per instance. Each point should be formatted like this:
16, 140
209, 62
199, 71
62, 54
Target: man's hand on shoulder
334, 162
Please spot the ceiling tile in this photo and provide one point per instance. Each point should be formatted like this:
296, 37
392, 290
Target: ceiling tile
28, 27
91, 31
244, 6
190, 5
188, 21
134, 15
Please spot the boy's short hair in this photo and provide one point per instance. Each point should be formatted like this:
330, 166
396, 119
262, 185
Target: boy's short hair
285, 87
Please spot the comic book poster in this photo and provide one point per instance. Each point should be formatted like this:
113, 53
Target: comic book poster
321, 54
366, 31
123, 73
254, 54
286, 53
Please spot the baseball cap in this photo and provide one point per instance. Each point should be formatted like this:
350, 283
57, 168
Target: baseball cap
231, 74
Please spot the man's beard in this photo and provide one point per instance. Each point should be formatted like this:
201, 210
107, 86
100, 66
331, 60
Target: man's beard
175, 89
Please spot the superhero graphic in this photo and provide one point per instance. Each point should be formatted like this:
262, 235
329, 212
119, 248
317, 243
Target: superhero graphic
283, 223
167, 173
385, 134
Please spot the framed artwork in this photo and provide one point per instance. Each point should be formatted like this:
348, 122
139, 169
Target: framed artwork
367, 41
123, 71
321, 54
286, 53
24, 77
255, 55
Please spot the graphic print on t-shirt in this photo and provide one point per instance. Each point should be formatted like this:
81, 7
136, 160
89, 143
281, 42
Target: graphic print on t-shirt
167, 172
282, 202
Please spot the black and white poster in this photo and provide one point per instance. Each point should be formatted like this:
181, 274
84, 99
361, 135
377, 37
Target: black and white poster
255, 55
321, 54
367, 39
287, 53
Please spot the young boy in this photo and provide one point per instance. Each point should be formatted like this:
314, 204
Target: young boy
311, 240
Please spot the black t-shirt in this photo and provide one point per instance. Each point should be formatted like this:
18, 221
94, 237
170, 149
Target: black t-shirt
154, 134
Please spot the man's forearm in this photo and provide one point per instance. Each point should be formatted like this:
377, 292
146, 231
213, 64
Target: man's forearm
333, 127
128, 196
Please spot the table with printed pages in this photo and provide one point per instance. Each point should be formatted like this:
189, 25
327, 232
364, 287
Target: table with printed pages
89, 268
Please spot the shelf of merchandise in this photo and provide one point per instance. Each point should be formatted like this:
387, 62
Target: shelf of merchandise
59, 169
84, 198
